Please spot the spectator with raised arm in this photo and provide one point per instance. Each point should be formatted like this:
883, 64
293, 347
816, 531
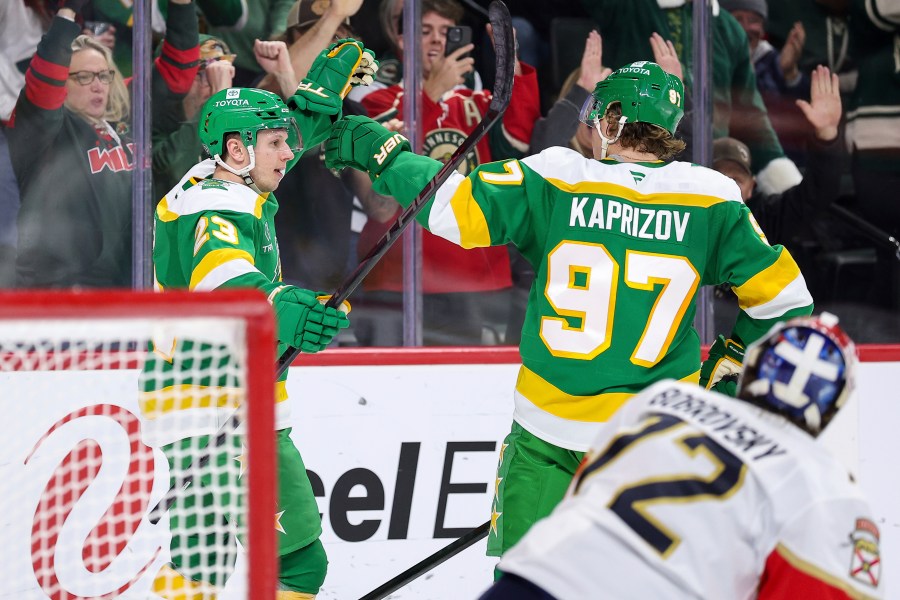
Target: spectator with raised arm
778, 76
465, 291
71, 124
176, 145
738, 109
318, 237
22, 23
239, 23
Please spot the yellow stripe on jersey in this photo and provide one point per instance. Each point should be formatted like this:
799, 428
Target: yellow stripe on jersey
611, 189
768, 283
473, 228
186, 397
215, 259
163, 213
189, 396
597, 408
239, 198
260, 200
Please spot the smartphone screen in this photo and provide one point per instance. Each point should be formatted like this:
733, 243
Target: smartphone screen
457, 37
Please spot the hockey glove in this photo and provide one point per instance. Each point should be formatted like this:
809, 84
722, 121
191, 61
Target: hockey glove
720, 371
337, 68
363, 144
303, 321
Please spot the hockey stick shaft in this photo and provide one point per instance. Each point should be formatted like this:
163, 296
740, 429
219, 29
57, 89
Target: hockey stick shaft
503, 43
429, 563
502, 92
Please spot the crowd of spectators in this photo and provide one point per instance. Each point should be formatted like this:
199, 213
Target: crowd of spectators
806, 116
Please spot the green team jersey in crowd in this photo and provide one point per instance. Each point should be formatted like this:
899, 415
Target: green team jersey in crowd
210, 233
619, 251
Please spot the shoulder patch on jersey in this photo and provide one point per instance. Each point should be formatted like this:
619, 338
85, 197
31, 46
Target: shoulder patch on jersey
212, 183
865, 560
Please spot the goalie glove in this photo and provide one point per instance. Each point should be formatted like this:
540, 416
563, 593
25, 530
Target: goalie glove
721, 370
363, 144
335, 71
303, 321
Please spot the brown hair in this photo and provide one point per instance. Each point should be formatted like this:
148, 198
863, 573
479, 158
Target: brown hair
645, 137
392, 20
449, 9
118, 106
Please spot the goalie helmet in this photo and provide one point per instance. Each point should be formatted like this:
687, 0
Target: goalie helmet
244, 111
646, 93
803, 369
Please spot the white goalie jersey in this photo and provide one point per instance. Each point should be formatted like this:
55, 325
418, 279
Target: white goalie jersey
693, 494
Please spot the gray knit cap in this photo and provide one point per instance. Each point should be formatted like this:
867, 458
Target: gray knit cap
757, 6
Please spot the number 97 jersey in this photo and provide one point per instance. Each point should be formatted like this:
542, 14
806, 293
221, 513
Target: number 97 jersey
696, 495
620, 251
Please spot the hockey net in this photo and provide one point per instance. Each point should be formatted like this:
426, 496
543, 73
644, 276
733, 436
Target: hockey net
101, 394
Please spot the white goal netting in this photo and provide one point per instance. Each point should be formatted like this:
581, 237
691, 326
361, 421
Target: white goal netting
101, 414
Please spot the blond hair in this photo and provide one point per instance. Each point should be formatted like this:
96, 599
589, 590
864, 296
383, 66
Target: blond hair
118, 106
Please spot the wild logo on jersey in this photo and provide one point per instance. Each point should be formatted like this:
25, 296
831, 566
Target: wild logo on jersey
440, 144
865, 562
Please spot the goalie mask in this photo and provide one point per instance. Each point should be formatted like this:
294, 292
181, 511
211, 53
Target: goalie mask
244, 111
645, 93
802, 369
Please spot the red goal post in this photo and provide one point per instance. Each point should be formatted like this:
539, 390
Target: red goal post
79, 469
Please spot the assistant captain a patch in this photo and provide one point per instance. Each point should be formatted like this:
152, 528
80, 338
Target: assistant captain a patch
865, 562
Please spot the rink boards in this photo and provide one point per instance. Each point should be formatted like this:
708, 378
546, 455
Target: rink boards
402, 447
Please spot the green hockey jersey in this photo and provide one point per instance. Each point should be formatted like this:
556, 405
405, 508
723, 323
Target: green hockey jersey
208, 234
619, 251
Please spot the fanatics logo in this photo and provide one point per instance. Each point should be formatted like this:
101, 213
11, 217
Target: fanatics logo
865, 563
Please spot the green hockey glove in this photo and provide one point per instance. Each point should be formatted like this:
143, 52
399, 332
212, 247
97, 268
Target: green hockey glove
338, 67
720, 371
303, 321
363, 144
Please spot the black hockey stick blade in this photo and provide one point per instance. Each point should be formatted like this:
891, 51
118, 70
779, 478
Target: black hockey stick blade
506, 62
428, 563
502, 92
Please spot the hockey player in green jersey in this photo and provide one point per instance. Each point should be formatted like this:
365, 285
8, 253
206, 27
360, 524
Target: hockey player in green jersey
620, 245
215, 229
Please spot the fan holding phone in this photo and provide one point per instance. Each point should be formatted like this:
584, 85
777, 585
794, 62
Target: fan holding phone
463, 291
457, 37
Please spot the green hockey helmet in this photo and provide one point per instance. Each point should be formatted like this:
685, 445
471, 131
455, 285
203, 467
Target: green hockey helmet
244, 111
647, 94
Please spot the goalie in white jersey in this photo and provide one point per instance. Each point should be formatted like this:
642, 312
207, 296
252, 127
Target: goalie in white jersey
697, 495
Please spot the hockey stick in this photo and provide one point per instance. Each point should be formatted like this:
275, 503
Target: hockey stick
506, 61
428, 563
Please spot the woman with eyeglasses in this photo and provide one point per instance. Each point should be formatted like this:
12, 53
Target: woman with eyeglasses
71, 149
